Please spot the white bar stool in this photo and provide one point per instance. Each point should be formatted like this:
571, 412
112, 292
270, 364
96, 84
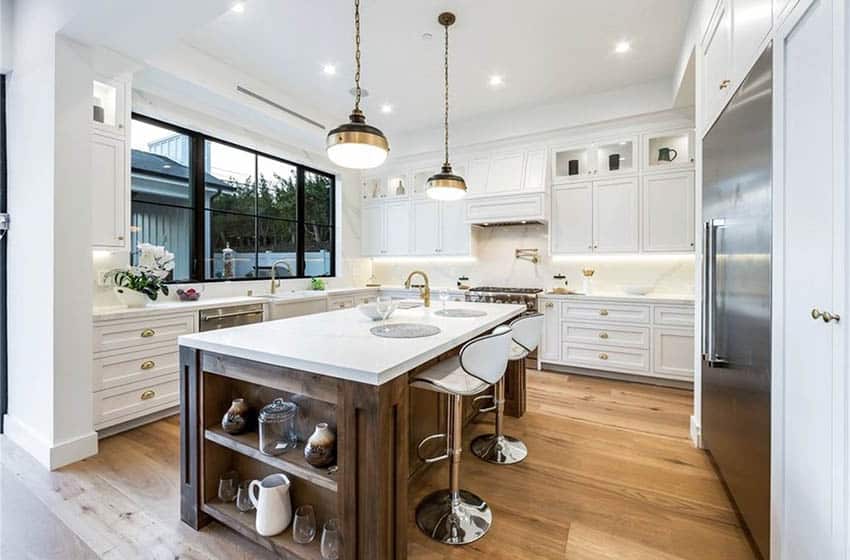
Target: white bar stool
498, 448
455, 516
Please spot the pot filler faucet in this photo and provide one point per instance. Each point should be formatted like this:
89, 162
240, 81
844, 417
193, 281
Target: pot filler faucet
276, 283
424, 291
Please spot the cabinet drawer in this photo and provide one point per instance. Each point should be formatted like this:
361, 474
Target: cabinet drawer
340, 303
674, 316
588, 333
604, 313
131, 367
605, 358
120, 404
113, 335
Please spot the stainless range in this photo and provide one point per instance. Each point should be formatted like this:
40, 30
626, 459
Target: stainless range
522, 296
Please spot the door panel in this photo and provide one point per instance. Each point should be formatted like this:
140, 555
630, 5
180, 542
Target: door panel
109, 171
397, 229
372, 231
615, 216
454, 231
572, 219
505, 173
668, 212
426, 227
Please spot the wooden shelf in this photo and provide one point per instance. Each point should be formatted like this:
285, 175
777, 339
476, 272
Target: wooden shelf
244, 523
292, 463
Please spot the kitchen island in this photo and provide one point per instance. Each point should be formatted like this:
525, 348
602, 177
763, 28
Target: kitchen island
337, 372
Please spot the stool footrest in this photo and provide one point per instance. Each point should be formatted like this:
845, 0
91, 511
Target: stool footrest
482, 398
436, 458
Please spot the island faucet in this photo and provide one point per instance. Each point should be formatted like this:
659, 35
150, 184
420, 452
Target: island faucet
276, 283
424, 291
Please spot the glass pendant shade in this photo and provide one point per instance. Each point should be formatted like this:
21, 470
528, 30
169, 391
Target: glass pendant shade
357, 145
445, 185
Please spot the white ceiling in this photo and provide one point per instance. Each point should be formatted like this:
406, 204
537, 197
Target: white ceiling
546, 50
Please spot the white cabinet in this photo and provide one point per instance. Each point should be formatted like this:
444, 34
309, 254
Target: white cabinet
110, 187
615, 157
673, 352
385, 229
454, 231
534, 177
615, 216
505, 173
550, 346
283, 310
751, 22
372, 231
667, 201
110, 106
479, 171
571, 227
595, 159
667, 150
426, 227
439, 228
717, 61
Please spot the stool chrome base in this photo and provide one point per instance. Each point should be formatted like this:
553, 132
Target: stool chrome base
500, 450
463, 520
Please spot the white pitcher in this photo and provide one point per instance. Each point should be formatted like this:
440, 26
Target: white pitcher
274, 507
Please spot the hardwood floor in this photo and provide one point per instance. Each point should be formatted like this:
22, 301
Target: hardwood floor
611, 474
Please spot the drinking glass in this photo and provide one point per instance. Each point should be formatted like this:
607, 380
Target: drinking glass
228, 486
304, 525
384, 306
243, 498
444, 297
330, 540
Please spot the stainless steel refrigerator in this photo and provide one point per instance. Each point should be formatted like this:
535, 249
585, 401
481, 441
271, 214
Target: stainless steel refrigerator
736, 298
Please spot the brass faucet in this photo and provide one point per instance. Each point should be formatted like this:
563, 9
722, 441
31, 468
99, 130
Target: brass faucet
275, 282
424, 291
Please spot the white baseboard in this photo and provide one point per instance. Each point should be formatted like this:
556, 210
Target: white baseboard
52, 456
696, 432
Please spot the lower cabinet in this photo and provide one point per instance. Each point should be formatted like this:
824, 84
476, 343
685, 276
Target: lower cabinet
619, 335
297, 308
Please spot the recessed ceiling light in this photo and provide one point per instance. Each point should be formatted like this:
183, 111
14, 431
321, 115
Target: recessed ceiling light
329, 70
497, 80
386, 108
166, 166
622, 47
238, 7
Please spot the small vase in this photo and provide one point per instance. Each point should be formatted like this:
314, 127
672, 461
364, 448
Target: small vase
235, 420
131, 298
320, 450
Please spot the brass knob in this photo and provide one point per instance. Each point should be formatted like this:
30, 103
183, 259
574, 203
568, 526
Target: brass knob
603, 356
148, 395
148, 364
825, 315
549, 305
147, 333
603, 312
725, 84
603, 335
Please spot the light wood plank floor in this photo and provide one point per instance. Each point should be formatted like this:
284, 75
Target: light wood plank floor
611, 475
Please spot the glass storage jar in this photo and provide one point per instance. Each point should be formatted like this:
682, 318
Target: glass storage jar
277, 427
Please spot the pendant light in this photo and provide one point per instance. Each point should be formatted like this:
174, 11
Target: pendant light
355, 144
445, 185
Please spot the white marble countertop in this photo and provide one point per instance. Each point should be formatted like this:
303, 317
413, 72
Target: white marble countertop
625, 298
339, 344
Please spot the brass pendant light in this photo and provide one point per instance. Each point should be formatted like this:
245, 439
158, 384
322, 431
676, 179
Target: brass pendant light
355, 144
445, 185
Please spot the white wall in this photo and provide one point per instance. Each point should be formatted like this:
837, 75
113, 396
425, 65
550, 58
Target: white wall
48, 105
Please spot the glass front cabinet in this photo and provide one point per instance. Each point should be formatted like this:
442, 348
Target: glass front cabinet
607, 158
666, 150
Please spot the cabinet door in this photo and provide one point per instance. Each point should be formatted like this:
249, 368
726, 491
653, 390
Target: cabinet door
717, 67
550, 347
426, 227
454, 231
571, 223
479, 170
397, 229
109, 191
505, 173
615, 216
668, 212
534, 178
673, 352
752, 21
372, 227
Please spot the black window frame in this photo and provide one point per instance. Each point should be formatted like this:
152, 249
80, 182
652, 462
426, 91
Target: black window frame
197, 180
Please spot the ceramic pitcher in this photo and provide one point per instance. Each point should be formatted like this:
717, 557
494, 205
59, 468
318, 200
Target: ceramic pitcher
274, 507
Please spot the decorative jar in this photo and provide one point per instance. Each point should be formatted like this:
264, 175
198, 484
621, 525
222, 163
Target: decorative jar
277, 427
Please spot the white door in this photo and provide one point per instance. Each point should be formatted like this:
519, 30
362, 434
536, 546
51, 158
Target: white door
479, 170
717, 60
668, 212
109, 191
673, 352
454, 231
372, 231
397, 228
615, 216
426, 227
810, 377
550, 347
571, 222
505, 173
534, 178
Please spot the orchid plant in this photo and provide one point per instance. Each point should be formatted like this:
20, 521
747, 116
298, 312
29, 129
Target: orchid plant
148, 277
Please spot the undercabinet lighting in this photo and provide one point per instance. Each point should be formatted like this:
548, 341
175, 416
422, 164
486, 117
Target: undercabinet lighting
655, 257
386, 108
100, 253
497, 80
329, 70
622, 47
390, 260
238, 8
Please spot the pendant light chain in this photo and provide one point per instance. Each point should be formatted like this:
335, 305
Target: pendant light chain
446, 114
357, 55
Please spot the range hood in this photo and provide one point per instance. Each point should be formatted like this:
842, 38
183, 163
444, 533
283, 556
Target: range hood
506, 210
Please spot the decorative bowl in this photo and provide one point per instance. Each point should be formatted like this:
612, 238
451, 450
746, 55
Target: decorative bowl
371, 310
636, 289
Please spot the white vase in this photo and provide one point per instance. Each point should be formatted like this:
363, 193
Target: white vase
131, 298
274, 507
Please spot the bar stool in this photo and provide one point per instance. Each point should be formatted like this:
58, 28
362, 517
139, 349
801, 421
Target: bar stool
452, 515
498, 448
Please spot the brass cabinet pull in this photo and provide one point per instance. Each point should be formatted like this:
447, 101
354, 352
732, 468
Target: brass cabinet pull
725, 84
148, 364
147, 333
825, 315
549, 305
603, 335
603, 312
603, 356
148, 395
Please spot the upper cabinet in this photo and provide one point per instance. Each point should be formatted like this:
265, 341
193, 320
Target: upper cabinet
110, 106
385, 229
439, 228
505, 173
508, 172
393, 187
666, 150
751, 24
606, 158
615, 216
667, 202
717, 61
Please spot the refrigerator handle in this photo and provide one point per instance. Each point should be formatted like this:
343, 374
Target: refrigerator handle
707, 290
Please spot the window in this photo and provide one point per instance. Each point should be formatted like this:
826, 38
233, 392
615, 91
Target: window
226, 211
